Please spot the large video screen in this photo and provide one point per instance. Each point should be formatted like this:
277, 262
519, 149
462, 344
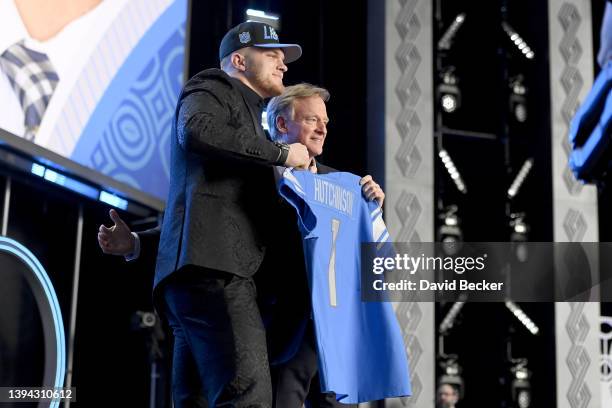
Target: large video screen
95, 81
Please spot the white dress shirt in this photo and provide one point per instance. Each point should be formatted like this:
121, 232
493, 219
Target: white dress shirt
68, 51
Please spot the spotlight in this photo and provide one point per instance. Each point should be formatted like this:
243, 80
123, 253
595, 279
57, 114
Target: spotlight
521, 386
450, 373
450, 96
143, 320
449, 103
263, 17
519, 235
452, 369
519, 228
446, 41
449, 320
518, 99
518, 41
520, 178
522, 317
520, 112
449, 232
452, 170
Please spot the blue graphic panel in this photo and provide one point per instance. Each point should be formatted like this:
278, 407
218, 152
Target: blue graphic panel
128, 134
50, 313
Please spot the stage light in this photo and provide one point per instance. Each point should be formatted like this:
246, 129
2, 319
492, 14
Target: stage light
38, 169
446, 41
524, 399
143, 320
518, 99
449, 103
112, 199
517, 85
449, 320
452, 171
522, 317
448, 76
518, 41
449, 233
518, 181
520, 385
520, 112
519, 228
451, 220
448, 91
452, 370
519, 235
521, 374
450, 373
65, 181
260, 16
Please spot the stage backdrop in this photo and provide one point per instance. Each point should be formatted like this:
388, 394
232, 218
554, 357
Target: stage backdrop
605, 341
118, 70
400, 145
575, 205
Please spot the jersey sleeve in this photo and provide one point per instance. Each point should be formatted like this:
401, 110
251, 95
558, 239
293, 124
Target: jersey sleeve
380, 235
379, 229
292, 187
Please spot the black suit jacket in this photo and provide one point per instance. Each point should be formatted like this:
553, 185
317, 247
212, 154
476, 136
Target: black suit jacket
282, 285
222, 192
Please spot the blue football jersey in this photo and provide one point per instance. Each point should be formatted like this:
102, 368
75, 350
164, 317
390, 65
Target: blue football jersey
360, 347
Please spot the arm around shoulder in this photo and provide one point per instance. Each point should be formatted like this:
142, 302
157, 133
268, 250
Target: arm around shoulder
208, 125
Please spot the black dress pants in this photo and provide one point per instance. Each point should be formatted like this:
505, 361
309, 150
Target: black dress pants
296, 381
220, 342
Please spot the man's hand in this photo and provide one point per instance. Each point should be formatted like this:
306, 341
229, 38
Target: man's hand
298, 156
118, 239
371, 190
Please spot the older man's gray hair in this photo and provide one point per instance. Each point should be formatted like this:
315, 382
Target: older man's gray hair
282, 105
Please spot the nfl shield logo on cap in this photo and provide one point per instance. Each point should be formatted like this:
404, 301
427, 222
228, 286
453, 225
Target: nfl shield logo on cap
245, 37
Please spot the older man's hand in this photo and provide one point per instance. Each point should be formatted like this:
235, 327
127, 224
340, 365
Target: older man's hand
371, 190
118, 239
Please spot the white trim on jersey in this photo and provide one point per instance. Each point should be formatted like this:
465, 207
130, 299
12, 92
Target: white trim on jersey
378, 227
375, 213
289, 176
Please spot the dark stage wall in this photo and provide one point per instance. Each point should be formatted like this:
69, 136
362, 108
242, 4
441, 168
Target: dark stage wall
109, 352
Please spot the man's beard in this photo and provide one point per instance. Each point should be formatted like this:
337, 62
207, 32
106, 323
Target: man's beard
266, 85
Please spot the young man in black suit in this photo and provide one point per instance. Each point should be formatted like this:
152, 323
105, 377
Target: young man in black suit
213, 238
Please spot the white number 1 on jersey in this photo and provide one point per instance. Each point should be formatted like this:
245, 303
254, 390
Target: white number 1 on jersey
331, 271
